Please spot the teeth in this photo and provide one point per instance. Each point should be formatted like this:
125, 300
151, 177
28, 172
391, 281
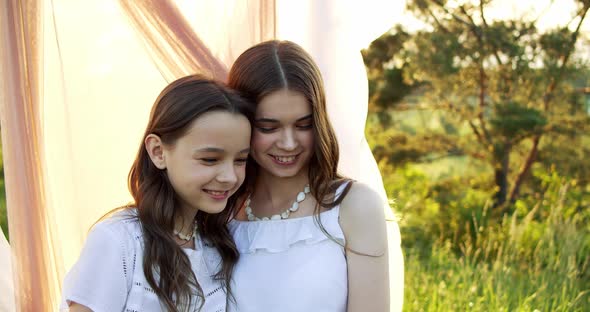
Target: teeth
216, 193
285, 159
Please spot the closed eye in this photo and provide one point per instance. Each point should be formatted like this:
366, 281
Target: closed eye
241, 161
266, 129
209, 160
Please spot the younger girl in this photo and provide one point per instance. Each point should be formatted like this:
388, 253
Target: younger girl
171, 250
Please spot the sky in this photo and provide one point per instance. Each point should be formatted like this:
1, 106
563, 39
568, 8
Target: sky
551, 13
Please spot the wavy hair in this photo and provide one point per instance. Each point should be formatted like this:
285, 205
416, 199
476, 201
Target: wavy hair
177, 106
277, 65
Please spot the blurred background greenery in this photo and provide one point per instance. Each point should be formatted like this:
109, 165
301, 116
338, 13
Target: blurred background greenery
481, 132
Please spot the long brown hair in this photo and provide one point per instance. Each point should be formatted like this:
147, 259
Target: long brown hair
276, 65
177, 106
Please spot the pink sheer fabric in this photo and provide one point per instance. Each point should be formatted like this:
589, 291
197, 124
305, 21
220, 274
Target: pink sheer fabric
175, 47
79, 78
77, 86
30, 223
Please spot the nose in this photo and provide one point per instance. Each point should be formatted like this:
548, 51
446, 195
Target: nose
228, 174
288, 141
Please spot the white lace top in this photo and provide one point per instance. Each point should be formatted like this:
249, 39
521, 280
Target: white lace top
108, 276
290, 265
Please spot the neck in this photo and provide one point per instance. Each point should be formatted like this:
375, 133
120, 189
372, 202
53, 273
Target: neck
185, 220
278, 191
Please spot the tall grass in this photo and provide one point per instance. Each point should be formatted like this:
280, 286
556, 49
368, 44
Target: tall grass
535, 262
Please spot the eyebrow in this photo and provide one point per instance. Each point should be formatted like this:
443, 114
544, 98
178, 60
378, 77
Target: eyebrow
219, 150
275, 120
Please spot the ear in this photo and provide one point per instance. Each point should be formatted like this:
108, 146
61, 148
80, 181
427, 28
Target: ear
155, 148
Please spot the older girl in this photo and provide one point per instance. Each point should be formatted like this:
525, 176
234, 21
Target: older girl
309, 239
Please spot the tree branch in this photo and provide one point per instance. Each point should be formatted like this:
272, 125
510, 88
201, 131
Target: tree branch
452, 154
438, 23
457, 18
565, 59
484, 139
480, 138
482, 75
524, 169
485, 24
546, 98
543, 12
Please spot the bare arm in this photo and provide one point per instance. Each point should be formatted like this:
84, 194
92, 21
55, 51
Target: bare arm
363, 221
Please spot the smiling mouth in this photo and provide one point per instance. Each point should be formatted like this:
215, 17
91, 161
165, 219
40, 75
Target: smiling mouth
216, 194
284, 159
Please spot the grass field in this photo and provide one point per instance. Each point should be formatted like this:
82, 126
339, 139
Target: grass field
498, 274
535, 259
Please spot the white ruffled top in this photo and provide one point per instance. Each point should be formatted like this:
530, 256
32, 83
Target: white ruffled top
290, 265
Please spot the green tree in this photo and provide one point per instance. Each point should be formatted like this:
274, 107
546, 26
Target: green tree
499, 87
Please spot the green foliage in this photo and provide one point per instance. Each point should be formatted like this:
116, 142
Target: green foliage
504, 81
460, 257
386, 86
447, 208
481, 130
512, 120
568, 159
553, 44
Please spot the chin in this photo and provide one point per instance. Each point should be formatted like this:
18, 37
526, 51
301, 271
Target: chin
284, 173
213, 208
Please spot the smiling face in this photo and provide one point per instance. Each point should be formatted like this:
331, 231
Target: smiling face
207, 164
282, 141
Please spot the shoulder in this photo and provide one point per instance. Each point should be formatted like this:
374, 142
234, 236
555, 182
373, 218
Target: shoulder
362, 201
362, 218
120, 226
102, 275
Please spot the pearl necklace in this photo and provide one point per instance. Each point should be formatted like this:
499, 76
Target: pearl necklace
300, 197
187, 237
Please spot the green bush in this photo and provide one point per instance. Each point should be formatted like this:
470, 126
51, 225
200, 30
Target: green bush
459, 256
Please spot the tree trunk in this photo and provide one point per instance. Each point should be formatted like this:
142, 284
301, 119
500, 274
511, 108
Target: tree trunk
501, 169
532, 156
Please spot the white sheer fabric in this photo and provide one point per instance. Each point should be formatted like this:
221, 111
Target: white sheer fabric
6, 284
334, 32
104, 62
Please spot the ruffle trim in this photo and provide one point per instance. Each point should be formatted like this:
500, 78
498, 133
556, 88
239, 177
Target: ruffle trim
279, 235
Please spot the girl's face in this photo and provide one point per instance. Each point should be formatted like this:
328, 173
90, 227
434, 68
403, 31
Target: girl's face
283, 139
207, 164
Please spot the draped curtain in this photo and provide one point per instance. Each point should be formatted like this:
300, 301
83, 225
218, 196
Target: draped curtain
78, 80
21, 116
